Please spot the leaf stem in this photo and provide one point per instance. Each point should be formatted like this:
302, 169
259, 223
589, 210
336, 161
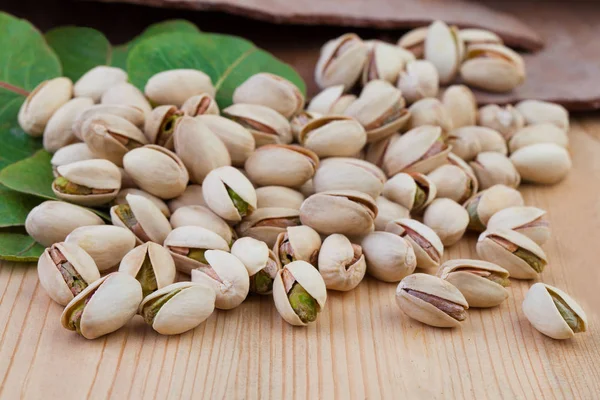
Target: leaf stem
14, 89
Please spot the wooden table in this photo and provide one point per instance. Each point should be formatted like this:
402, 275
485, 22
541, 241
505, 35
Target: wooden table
361, 347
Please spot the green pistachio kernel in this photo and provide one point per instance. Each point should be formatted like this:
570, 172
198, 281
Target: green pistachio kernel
238, 202
534, 261
303, 304
261, 282
65, 186
499, 279
570, 316
475, 223
153, 307
420, 197
146, 277
167, 128
198, 255
124, 212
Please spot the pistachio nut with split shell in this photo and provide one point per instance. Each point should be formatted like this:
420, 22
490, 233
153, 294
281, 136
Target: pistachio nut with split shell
98, 80
419, 81
177, 85
88, 183
340, 173
151, 264
70, 154
106, 244
130, 113
191, 196
341, 263
347, 212
432, 301
429, 111
478, 36
544, 132
488, 202
201, 104
281, 165
265, 124
300, 120
59, 129
388, 211
530, 221
389, 257
384, 61
141, 217
203, 217
544, 163
266, 224
461, 105
106, 305
493, 67
229, 194
42, 103
299, 293
238, 140
157, 170
553, 312
537, 111
413, 191
469, 141
341, 61
331, 101
65, 270
188, 246
455, 180
52, 221
127, 95
492, 168
160, 125
444, 48
272, 91
506, 120
227, 275
333, 136
260, 262
297, 243
278, 196
426, 244
414, 41
178, 308
122, 199
448, 219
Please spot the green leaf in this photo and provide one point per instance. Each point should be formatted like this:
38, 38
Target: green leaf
15, 206
79, 49
119, 56
19, 247
228, 60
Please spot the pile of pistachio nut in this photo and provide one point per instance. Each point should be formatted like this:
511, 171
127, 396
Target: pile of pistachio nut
266, 198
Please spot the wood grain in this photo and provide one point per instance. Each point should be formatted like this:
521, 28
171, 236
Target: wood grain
361, 347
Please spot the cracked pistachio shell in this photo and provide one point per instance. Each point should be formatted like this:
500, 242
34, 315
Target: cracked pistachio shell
238, 140
306, 276
215, 190
157, 170
122, 199
341, 263
281, 165
130, 113
455, 180
53, 281
98, 175
426, 312
333, 136
444, 48
331, 101
253, 253
98, 80
303, 243
544, 163
493, 67
51, 221
191, 196
126, 94
70, 154
190, 304
488, 202
177, 85
108, 304
278, 196
429, 111
544, 132
299, 121
537, 111
339, 211
469, 141
540, 306
506, 120
384, 61
58, 132
389, 257
340, 173
530, 221
265, 124
478, 36
388, 211
42, 103
149, 219
203, 217
461, 106
427, 245
271, 91
227, 275
492, 168
419, 81
419, 150
161, 262
500, 246
201, 104
448, 219
192, 237
341, 61
266, 224
403, 188
160, 125
414, 41
106, 244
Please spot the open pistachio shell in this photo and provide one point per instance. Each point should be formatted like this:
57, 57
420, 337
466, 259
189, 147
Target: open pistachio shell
278, 196
341, 263
384, 61
414, 41
419, 81
544, 163
448, 219
70, 154
299, 121
59, 129
98, 80
506, 120
530, 221
388, 211
492, 67
229, 194
151, 264
122, 199
201, 104
143, 218
191, 196
177, 85
340, 173
297, 243
486, 203
455, 180
341, 61
267, 223
492, 168
389, 257
188, 245
281, 165
203, 217
260, 262
461, 105
272, 91
126, 94
88, 183
427, 245
333, 136
414, 191
544, 132
331, 101
536, 112
130, 113
42, 103
265, 124
238, 140
160, 125
444, 48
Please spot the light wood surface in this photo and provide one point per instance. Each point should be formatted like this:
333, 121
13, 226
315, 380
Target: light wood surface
361, 347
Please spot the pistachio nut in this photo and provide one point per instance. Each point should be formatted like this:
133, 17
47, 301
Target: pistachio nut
126, 94
126, 180
545, 163
340, 173
413, 191
297, 243
431, 300
521, 256
42, 103
260, 262
227, 275
70, 154
142, 217
160, 125
331, 101
448, 219
130, 113
65, 270
492, 168
122, 199
58, 132
544, 132
151, 264
455, 180
87, 183
278, 196
266, 224
281, 165
492, 67
301, 119
488, 202
333, 136
299, 293
553, 312
272, 91
106, 244
506, 120
177, 85
384, 61
461, 106
414, 41
469, 141
308, 188
339, 211
478, 36
98, 80
537, 111
341, 263
104, 306
389, 257
530, 221
229, 194
429, 111
444, 49
375, 152
201, 104
203, 217
266, 125
51, 221
419, 81
425, 242
191, 196
388, 211
188, 246
178, 308
237, 139
341, 61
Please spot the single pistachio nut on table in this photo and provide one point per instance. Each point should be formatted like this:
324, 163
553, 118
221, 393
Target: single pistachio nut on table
414, 41
553, 312
229, 194
530, 221
388, 211
432, 301
384, 61
444, 48
58, 132
87, 183
131, 113
418, 81
191, 196
265, 124
413, 191
177, 85
299, 121
238, 140
455, 180
389, 257
426, 244
65, 270
544, 132
506, 120
297, 243
126, 94
469, 141
488, 202
281, 165
98, 80
330, 101
299, 293
143, 218
333, 136
341, 173
543, 163
200, 104
272, 91
429, 112
448, 219
160, 125
189, 244
42, 103
341, 263
106, 305
493, 168
260, 262
158, 202
70, 154
492, 67
178, 308
278, 196
482, 283
341, 61
461, 106
478, 36
203, 217
151, 264
266, 224
537, 111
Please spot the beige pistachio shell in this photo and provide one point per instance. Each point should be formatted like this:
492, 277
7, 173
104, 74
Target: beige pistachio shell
530, 221
160, 125
70, 154
419, 81
272, 91
113, 301
265, 124
331, 101
303, 241
106, 244
455, 181
266, 224
308, 188
163, 266
429, 111
201, 104
461, 106
341, 61
194, 237
177, 85
469, 141
203, 217
414, 41
506, 120
426, 244
42, 103
299, 121
149, 217
389, 257
278, 196
98, 80
478, 36
238, 140
492, 168
536, 112
52, 279
488, 202
130, 113
375, 152
341, 264
281, 165
214, 189
384, 61
444, 48
126, 181
122, 199
59, 129
402, 189
493, 67
339, 173
544, 163
126, 94
93, 174
253, 253
544, 132
333, 136
191, 196
388, 211
448, 219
